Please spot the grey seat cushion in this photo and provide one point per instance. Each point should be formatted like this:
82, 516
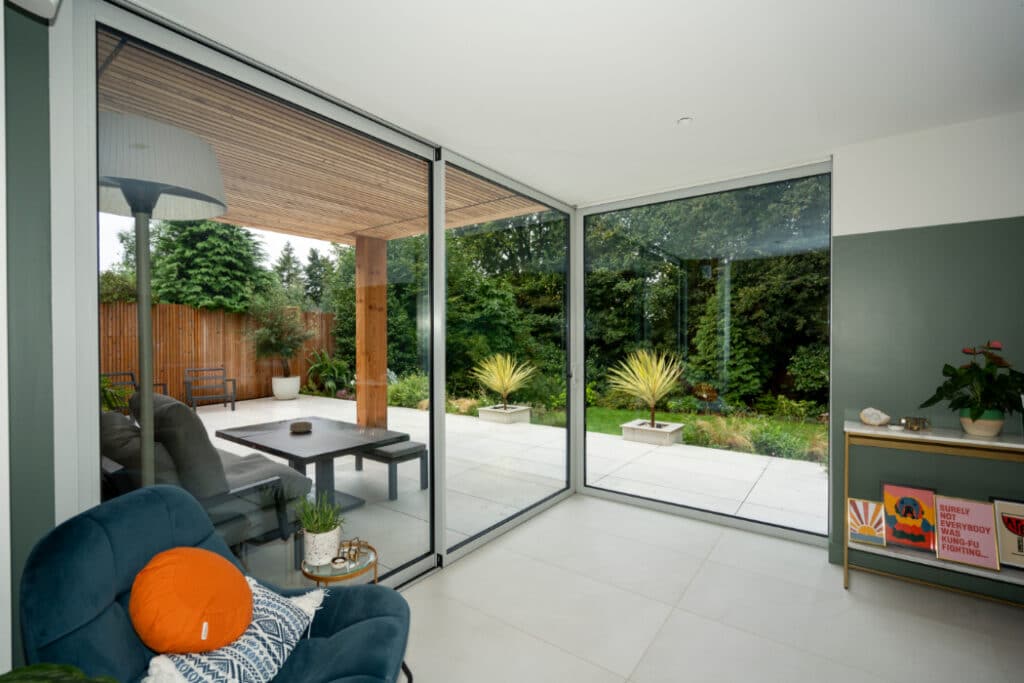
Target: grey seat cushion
403, 450
120, 440
249, 469
184, 436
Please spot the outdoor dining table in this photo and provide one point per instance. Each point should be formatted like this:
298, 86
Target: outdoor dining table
327, 440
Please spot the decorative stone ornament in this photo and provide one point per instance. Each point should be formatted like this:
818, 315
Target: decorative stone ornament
874, 417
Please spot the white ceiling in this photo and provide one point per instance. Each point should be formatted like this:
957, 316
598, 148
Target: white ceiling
579, 98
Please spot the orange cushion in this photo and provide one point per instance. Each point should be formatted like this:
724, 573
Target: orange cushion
189, 600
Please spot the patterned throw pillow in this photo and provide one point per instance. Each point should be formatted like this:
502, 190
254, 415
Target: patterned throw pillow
277, 625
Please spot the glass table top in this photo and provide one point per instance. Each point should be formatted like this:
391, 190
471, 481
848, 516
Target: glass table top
347, 564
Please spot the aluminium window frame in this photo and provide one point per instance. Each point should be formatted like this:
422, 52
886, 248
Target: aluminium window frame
74, 235
765, 528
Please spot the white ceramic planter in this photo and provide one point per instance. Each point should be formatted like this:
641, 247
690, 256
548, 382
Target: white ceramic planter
501, 415
285, 388
320, 549
982, 427
662, 434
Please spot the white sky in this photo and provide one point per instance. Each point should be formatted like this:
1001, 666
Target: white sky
273, 242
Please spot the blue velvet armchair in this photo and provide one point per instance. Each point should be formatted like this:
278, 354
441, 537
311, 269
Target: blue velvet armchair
78, 578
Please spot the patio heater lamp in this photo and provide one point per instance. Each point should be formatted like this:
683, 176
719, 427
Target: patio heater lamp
148, 169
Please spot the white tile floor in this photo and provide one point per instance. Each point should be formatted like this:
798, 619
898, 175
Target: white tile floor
494, 471
595, 591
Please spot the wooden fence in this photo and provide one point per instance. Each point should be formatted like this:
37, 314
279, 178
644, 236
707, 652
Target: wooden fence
186, 337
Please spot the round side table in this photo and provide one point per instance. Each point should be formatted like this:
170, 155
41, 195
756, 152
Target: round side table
326, 574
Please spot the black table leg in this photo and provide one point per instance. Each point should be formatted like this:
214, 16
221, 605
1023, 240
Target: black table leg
325, 485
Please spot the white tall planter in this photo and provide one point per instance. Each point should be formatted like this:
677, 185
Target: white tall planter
285, 388
320, 549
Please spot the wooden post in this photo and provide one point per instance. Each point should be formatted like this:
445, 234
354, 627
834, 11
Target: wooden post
371, 332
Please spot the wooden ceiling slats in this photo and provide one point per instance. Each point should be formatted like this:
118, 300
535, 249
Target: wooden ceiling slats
288, 170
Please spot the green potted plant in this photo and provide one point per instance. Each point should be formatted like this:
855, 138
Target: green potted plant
503, 375
984, 390
321, 522
649, 377
278, 332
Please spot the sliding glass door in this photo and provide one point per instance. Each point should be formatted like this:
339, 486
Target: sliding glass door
506, 307
733, 289
300, 294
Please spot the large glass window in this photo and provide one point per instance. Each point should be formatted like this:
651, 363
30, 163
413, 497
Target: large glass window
302, 298
506, 354
732, 289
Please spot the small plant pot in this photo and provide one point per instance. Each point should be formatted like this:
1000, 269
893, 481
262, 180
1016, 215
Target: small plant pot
510, 415
661, 434
989, 424
320, 549
285, 388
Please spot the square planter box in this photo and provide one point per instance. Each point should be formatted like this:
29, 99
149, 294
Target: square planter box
504, 416
663, 434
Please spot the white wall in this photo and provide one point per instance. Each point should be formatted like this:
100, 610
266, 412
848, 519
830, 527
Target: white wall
952, 174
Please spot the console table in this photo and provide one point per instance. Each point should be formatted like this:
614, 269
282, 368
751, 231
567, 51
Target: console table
952, 442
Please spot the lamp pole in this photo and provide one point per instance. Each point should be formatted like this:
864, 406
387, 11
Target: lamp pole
144, 320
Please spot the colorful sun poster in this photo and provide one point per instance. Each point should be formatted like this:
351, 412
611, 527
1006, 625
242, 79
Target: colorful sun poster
966, 532
1010, 531
909, 517
865, 521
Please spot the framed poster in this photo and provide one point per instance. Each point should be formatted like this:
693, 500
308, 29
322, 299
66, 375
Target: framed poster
966, 532
1010, 532
909, 517
865, 521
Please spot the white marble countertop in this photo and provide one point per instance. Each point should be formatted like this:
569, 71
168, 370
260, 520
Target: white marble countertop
955, 437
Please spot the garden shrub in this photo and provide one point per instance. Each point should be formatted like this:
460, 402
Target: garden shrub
792, 409
722, 433
408, 391
766, 404
684, 404
771, 438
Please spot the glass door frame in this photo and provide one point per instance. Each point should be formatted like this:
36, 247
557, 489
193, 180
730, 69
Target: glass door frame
579, 352
73, 113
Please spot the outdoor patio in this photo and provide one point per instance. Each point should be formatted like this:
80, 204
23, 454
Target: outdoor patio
495, 470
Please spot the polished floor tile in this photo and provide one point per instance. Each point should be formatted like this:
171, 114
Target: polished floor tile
649, 597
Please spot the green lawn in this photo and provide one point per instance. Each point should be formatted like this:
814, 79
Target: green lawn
758, 434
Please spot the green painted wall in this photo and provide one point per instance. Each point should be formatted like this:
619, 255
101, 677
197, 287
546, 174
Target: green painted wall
905, 303
26, 44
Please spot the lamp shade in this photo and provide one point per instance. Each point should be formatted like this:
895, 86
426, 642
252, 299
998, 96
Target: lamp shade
149, 166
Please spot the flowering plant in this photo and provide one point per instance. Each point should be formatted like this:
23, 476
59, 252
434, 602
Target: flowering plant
978, 387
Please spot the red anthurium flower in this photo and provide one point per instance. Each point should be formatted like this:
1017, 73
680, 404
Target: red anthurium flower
995, 345
969, 350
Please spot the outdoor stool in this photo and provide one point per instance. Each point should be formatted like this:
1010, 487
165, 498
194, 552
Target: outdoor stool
391, 456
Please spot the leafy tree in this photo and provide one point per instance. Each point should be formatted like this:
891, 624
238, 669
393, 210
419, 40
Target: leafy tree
278, 328
117, 285
315, 273
206, 264
288, 268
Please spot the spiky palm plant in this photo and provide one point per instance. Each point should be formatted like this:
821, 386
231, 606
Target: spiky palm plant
502, 374
646, 375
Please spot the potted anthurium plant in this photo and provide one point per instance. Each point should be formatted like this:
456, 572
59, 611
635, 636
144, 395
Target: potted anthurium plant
984, 390
649, 377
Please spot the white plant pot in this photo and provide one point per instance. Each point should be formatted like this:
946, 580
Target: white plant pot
285, 388
501, 415
320, 549
662, 434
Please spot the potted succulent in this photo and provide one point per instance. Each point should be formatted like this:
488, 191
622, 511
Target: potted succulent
649, 377
503, 375
984, 390
278, 333
321, 522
